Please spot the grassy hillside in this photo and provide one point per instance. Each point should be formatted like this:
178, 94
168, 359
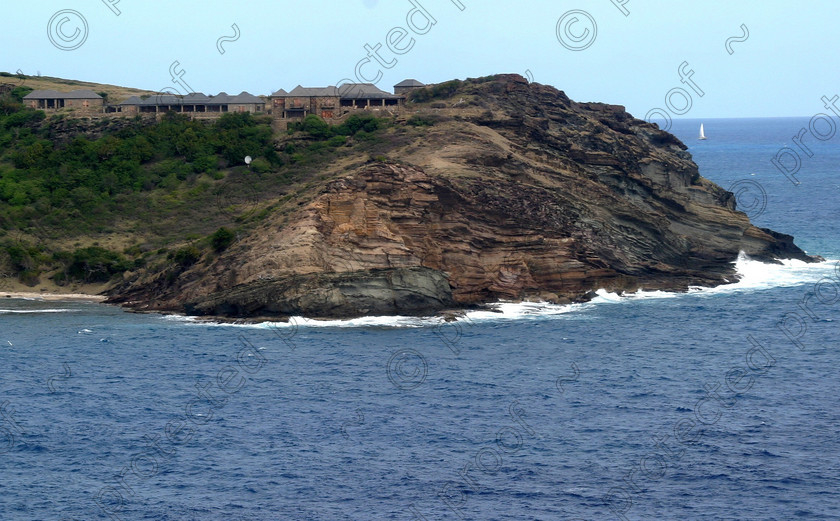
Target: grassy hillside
114, 94
83, 201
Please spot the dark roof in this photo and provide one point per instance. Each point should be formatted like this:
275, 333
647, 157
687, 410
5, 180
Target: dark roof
166, 99
312, 92
410, 83
82, 94
43, 94
346, 91
222, 98
364, 91
195, 98
53, 94
245, 97
162, 99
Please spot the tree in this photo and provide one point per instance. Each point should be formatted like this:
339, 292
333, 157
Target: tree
18, 93
95, 264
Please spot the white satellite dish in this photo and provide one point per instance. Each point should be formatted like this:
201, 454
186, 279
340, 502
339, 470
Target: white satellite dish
247, 160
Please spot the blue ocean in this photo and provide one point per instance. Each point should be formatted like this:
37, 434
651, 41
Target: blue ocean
713, 404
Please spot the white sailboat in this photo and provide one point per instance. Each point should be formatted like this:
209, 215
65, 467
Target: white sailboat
702, 134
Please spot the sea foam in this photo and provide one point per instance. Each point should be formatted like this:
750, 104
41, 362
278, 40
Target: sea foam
752, 276
33, 311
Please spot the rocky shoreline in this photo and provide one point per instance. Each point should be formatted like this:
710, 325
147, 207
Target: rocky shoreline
523, 194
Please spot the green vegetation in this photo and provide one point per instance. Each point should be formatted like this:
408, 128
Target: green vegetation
439, 91
24, 261
186, 257
321, 130
421, 121
222, 238
324, 138
93, 264
18, 93
164, 185
88, 265
81, 178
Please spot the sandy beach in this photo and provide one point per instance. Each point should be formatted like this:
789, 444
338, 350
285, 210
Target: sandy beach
53, 297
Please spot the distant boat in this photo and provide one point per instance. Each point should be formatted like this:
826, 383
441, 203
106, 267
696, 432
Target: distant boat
702, 134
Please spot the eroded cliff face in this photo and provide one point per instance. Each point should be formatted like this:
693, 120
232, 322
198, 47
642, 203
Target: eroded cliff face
530, 196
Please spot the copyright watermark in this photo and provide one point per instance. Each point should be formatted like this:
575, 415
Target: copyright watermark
67, 30
577, 30
407, 369
750, 197
237, 202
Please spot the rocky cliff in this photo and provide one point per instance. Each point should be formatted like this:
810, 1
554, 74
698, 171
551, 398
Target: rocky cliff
507, 190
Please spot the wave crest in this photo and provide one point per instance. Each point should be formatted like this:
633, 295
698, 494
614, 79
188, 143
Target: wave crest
753, 276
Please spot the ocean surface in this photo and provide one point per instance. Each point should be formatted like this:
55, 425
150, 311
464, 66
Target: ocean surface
715, 404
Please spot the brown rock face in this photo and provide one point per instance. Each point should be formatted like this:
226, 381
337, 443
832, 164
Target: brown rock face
521, 195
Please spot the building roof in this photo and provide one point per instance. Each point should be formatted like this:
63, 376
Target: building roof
364, 91
313, 92
196, 98
222, 98
345, 91
43, 94
157, 99
245, 97
162, 99
410, 83
82, 94
54, 94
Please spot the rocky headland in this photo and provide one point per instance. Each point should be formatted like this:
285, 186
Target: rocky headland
499, 190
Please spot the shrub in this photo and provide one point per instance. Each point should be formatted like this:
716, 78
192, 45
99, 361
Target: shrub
222, 238
337, 141
260, 165
24, 117
133, 251
20, 258
356, 124
96, 264
18, 93
186, 257
322, 131
30, 277
316, 127
420, 121
203, 164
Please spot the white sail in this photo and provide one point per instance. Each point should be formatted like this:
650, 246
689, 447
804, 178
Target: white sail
702, 134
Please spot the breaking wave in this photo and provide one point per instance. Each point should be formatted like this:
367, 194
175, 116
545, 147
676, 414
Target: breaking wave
33, 311
752, 276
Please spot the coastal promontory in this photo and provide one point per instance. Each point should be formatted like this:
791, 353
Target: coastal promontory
496, 190
475, 191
